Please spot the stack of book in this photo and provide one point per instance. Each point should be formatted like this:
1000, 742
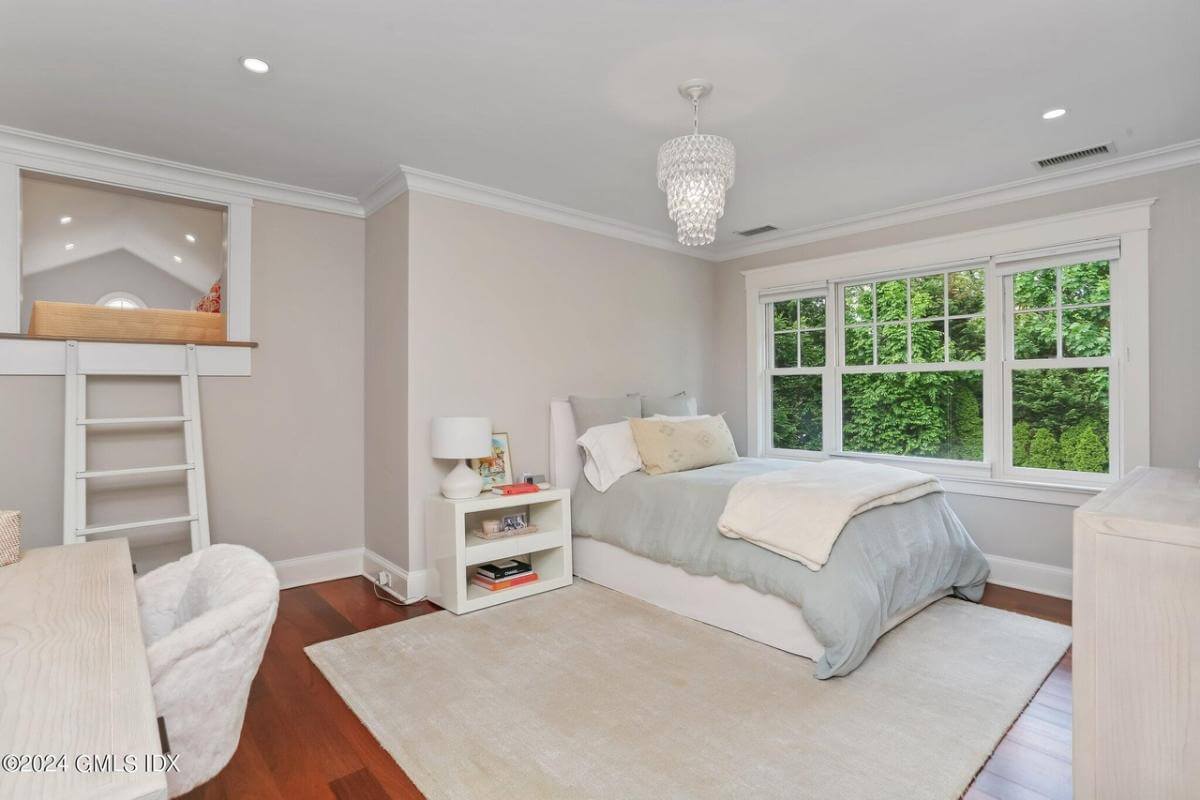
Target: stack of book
503, 575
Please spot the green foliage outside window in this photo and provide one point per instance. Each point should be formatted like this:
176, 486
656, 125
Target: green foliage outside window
932, 414
796, 411
1060, 415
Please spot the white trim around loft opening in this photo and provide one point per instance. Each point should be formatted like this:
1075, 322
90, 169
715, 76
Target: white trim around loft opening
1129, 222
23, 151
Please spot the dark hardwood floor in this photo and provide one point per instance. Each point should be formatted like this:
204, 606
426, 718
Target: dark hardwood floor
300, 740
1033, 761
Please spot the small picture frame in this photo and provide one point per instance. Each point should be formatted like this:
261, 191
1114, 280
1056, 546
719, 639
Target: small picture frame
514, 522
496, 469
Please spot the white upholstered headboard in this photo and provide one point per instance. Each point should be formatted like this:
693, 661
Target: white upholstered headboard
565, 461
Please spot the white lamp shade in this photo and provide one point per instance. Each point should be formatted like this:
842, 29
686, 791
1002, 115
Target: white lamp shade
462, 437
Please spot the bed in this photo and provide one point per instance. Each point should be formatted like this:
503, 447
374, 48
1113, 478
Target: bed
653, 537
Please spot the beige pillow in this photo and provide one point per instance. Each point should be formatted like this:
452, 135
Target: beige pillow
675, 446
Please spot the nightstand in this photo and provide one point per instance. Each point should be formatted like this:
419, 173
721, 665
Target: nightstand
454, 550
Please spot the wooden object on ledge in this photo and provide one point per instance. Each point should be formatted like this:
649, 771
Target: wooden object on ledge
83, 321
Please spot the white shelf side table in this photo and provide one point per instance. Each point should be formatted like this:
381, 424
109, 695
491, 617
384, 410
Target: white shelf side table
454, 551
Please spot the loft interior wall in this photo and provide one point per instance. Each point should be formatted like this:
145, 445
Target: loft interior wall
89, 279
1017, 529
283, 447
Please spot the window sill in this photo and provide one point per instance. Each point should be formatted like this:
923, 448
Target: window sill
966, 477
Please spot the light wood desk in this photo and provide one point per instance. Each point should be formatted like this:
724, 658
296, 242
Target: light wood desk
73, 675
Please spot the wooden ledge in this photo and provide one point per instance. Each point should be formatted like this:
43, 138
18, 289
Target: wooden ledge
27, 338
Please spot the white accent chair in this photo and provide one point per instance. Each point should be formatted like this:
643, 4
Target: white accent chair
206, 619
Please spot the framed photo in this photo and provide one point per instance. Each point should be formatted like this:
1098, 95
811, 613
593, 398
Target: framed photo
496, 470
514, 522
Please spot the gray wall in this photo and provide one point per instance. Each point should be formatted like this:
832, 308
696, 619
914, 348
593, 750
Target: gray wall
1030, 531
283, 448
88, 280
386, 382
508, 312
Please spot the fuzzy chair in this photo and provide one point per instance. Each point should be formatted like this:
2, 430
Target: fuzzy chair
206, 619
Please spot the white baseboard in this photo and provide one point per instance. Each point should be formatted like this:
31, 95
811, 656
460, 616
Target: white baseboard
412, 586
408, 587
319, 567
1030, 576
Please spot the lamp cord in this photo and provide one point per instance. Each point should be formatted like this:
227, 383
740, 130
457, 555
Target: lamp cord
392, 600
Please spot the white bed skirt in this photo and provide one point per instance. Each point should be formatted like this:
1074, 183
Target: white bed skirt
712, 600
715, 601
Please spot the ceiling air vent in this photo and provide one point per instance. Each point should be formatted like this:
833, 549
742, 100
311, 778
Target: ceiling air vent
1077, 155
757, 231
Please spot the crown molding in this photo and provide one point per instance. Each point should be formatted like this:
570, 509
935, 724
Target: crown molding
1158, 160
405, 178
51, 154
69, 158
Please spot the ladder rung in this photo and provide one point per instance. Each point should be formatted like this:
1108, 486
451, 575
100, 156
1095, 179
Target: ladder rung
111, 473
125, 526
130, 420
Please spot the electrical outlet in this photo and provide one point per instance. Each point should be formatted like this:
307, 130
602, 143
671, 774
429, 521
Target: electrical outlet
385, 578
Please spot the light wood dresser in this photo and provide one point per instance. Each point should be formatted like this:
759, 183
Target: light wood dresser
76, 706
1136, 659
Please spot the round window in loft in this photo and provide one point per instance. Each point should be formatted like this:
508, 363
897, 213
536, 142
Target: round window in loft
121, 300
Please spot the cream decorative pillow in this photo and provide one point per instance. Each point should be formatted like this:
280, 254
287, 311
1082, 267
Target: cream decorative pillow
675, 446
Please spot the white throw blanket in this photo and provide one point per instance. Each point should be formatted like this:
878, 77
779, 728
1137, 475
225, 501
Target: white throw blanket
799, 513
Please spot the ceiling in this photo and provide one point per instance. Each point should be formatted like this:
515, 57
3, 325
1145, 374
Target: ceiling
103, 220
837, 109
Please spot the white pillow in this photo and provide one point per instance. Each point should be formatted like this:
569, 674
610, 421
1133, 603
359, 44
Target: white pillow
609, 453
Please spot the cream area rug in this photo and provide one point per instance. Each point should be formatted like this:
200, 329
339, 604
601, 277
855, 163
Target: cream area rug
587, 693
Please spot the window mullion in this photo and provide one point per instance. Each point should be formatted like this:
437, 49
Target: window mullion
995, 347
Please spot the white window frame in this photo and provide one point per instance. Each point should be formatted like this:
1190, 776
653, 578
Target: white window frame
31, 357
1053, 239
826, 372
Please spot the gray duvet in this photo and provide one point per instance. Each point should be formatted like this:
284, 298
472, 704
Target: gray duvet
886, 560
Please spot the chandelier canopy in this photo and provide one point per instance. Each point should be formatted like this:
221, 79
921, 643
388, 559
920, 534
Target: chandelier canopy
694, 171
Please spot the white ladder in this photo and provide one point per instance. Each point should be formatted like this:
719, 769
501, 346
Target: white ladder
75, 471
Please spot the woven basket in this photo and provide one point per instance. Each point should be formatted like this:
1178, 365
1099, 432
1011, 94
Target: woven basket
10, 537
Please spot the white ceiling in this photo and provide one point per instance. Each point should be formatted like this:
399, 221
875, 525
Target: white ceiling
103, 220
837, 109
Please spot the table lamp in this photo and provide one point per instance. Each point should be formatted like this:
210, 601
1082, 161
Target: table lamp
462, 438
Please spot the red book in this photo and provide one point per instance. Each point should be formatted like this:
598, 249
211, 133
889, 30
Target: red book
495, 586
515, 488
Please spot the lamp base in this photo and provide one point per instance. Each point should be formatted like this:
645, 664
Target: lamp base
462, 483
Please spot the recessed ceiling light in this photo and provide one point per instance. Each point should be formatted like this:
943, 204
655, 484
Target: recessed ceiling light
1055, 113
64, 220
256, 65
190, 237
70, 246
178, 260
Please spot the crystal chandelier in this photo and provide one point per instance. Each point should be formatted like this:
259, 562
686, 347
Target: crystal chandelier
694, 171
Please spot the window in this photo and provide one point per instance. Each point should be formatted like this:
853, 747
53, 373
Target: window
1058, 381
797, 341
1021, 373
911, 384
121, 300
